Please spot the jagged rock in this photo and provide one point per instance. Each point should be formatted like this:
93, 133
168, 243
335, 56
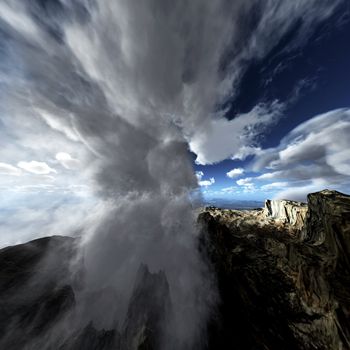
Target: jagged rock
283, 274
284, 283
34, 289
290, 212
37, 299
92, 339
36, 294
149, 312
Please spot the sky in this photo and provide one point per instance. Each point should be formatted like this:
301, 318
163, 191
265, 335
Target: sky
246, 101
306, 147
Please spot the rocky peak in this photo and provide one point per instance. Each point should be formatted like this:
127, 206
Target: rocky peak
290, 212
328, 219
149, 311
283, 276
38, 298
283, 273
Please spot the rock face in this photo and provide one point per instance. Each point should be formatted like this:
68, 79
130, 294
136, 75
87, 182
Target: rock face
34, 289
283, 274
38, 299
149, 312
290, 212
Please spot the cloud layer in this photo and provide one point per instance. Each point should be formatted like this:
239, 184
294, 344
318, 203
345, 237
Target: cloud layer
235, 172
311, 157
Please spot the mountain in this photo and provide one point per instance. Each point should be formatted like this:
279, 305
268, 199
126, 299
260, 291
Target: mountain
283, 276
38, 300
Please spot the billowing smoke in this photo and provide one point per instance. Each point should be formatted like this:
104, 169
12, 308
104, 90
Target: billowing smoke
138, 83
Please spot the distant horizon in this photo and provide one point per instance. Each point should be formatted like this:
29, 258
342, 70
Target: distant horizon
133, 105
236, 203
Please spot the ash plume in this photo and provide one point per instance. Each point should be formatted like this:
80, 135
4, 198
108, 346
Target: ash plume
136, 84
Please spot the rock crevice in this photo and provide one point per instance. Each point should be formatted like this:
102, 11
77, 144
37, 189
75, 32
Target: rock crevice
283, 273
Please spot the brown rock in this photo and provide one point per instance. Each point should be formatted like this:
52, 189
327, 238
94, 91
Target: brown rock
283, 274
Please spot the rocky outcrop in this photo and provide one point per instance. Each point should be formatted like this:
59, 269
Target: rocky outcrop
149, 312
35, 290
290, 212
283, 274
92, 339
38, 289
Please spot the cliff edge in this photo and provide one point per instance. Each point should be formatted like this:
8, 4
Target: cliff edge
283, 274
283, 277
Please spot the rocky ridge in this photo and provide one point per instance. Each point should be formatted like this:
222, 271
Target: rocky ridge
283, 274
38, 291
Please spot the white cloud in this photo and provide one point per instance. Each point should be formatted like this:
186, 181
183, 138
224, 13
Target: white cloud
243, 182
16, 16
206, 183
58, 123
272, 175
8, 169
221, 139
234, 138
298, 192
27, 211
67, 161
199, 175
314, 154
273, 186
247, 184
322, 139
235, 172
34, 167
231, 189
246, 151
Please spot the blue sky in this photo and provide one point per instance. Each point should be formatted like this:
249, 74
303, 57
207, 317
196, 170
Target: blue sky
308, 80
103, 101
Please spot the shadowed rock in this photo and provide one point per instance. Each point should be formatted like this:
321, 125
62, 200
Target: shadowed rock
37, 300
283, 274
284, 282
35, 290
92, 339
148, 313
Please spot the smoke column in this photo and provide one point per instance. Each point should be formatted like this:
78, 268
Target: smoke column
137, 82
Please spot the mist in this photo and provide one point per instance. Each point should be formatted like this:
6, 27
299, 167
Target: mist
133, 87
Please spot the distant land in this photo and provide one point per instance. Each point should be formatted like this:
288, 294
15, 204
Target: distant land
233, 204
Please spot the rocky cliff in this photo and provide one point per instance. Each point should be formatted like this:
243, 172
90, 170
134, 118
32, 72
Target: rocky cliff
38, 291
290, 212
283, 274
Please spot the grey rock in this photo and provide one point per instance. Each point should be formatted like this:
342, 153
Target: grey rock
283, 274
290, 212
149, 312
38, 298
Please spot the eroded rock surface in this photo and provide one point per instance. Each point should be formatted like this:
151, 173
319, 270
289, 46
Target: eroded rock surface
35, 289
283, 274
290, 212
38, 291
149, 312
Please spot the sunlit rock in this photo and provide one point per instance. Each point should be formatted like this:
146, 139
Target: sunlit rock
283, 274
